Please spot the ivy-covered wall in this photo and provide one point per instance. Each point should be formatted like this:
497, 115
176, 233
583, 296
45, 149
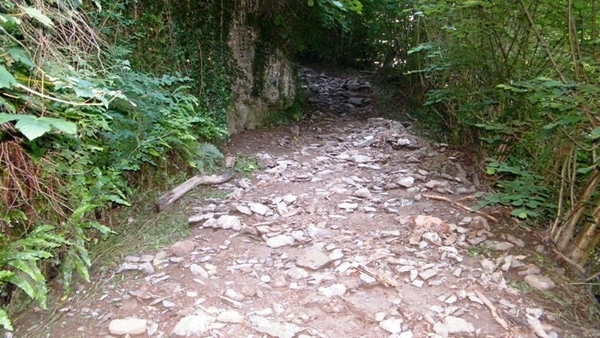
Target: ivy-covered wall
264, 79
238, 74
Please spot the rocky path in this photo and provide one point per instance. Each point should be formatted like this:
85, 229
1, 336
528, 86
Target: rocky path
353, 228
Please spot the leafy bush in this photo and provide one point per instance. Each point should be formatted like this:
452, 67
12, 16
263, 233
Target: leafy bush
520, 83
76, 124
519, 189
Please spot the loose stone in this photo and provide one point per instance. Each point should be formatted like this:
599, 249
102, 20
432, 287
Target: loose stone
539, 282
127, 326
313, 259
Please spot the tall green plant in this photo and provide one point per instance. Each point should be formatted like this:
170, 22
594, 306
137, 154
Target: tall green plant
516, 78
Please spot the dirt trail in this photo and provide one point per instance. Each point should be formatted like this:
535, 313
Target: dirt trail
352, 228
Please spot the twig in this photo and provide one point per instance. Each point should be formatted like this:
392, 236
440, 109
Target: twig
379, 277
568, 260
470, 197
462, 206
552, 245
492, 309
42, 95
592, 276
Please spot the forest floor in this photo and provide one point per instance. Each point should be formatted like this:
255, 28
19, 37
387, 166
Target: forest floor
354, 226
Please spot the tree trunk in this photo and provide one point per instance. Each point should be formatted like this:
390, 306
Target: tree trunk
584, 243
568, 229
582, 246
592, 247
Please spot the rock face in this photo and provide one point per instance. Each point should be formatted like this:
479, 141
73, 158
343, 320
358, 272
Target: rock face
266, 78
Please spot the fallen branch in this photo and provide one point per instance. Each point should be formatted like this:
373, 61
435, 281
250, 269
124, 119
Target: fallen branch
379, 277
470, 197
493, 310
462, 206
568, 260
547, 240
169, 198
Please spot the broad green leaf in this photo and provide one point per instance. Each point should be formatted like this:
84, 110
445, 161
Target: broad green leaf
421, 47
311, 3
586, 170
511, 88
83, 92
7, 105
118, 200
7, 19
354, 5
39, 16
61, 124
492, 198
41, 229
19, 55
102, 229
532, 204
595, 133
31, 127
519, 213
153, 152
22, 255
6, 78
4, 117
550, 126
517, 203
81, 212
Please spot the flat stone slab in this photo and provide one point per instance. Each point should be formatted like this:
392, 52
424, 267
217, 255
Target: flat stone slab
279, 241
127, 326
313, 259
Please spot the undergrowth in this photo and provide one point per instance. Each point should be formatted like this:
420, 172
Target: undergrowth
80, 129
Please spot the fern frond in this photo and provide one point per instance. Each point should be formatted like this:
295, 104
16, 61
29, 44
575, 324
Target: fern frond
210, 150
5, 320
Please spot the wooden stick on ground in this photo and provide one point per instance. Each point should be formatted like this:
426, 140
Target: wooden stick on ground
493, 310
462, 206
173, 195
